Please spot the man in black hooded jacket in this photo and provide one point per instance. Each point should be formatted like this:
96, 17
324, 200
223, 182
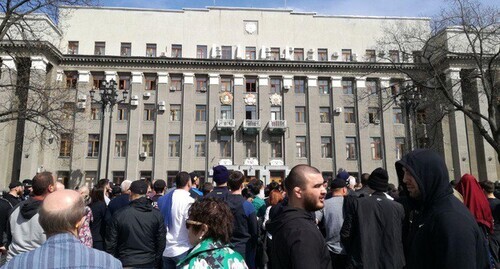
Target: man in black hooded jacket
442, 232
297, 241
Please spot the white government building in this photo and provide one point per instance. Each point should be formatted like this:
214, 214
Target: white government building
258, 90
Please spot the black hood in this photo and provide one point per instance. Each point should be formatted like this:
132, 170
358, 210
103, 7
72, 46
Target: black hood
289, 214
430, 172
29, 208
142, 204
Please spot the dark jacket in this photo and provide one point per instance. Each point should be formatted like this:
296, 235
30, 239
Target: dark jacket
297, 241
442, 233
7, 203
219, 192
374, 239
245, 230
116, 204
136, 235
98, 225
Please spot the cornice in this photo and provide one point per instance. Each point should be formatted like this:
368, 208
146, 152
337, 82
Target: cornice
20, 47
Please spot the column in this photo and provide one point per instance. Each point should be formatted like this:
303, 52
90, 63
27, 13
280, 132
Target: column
239, 116
187, 123
338, 123
108, 134
288, 108
264, 115
161, 129
8, 129
134, 143
213, 113
364, 139
313, 122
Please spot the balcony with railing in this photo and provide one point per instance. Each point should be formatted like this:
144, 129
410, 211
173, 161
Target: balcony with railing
276, 127
225, 126
251, 126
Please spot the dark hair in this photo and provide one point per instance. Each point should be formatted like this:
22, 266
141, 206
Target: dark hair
192, 175
207, 188
487, 186
62, 220
235, 181
216, 214
102, 183
41, 183
96, 195
297, 177
247, 193
254, 186
159, 185
182, 179
364, 178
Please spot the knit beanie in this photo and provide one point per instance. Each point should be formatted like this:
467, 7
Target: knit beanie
221, 175
379, 180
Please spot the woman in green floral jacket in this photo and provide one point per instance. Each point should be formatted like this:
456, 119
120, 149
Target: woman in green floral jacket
209, 227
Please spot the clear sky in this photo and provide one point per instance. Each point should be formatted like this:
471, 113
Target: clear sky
407, 8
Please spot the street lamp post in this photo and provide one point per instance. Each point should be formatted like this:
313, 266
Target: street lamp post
408, 100
108, 98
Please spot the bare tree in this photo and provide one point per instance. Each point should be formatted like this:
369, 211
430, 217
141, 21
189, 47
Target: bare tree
466, 35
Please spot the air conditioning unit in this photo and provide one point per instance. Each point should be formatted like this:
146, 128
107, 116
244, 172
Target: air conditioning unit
377, 121
173, 89
354, 57
218, 51
335, 55
143, 155
338, 110
82, 97
282, 56
203, 89
81, 105
268, 50
161, 108
161, 103
290, 49
287, 87
134, 102
147, 94
162, 54
134, 97
311, 51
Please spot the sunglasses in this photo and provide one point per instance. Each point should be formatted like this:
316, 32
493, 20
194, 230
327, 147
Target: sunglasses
190, 223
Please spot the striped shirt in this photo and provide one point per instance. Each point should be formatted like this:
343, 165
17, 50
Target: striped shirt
64, 251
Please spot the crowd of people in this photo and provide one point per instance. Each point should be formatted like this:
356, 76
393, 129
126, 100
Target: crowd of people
303, 222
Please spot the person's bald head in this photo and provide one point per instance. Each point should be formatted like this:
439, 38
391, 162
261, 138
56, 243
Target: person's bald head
60, 186
297, 176
62, 211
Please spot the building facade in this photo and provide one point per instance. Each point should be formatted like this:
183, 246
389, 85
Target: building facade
257, 90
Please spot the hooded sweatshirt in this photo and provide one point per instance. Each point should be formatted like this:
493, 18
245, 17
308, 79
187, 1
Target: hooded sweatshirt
442, 233
24, 232
297, 241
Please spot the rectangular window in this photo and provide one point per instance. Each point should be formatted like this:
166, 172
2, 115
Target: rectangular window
275, 85
201, 51
346, 55
250, 53
227, 52
250, 112
201, 84
124, 83
350, 145
396, 87
275, 54
300, 147
348, 86
251, 84
150, 82
121, 145
99, 48
299, 84
147, 144
176, 83
371, 87
371, 56
421, 116
349, 115
250, 144
149, 112
93, 145
373, 115
72, 47
322, 54
176, 51
275, 113
175, 112
400, 147
71, 80
324, 86
95, 111
326, 147
97, 80
126, 49
226, 112
300, 114
201, 112
65, 145
276, 147
118, 177
122, 112
324, 114
199, 145
298, 54
174, 145
68, 110
150, 50
397, 115
376, 146
225, 146
394, 56
226, 84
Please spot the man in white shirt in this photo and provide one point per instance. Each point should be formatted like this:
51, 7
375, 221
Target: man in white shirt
175, 208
